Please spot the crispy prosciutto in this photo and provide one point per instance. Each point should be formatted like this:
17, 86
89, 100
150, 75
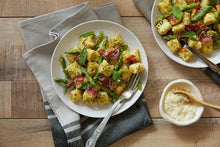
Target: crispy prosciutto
92, 91
107, 82
109, 53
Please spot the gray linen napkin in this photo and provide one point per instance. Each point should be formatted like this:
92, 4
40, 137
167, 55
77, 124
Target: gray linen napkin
145, 7
41, 35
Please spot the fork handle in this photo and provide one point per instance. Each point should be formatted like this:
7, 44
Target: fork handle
95, 136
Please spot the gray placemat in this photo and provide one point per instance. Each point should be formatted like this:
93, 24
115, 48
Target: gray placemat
41, 35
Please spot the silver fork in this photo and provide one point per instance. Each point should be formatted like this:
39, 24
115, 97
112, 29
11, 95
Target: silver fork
132, 87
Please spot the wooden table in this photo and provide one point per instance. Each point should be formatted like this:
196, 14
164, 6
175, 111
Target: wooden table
23, 121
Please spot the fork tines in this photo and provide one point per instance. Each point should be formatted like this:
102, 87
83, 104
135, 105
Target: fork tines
134, 81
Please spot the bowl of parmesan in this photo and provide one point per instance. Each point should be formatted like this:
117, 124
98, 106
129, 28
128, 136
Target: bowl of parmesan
176, 108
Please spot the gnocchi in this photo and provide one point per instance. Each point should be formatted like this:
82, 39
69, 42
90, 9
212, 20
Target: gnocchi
98, 71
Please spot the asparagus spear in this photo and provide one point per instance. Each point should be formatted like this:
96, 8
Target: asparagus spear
139, 85
96, 76
99, 39
217, 21
215, 36
201, 13
190, 6
84, 86
116, 75
111, 93
65, 88
100, 59
121, 48
87, 34
117, 65
72, 52
63, 63
87, 75
104, 43
162, 17
61, 80
169, 37
82, 56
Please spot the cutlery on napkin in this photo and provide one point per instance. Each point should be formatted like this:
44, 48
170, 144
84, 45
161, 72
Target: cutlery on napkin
145, 7
41, 35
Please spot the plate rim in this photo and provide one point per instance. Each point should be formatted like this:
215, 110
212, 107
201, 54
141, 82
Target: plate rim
98, 21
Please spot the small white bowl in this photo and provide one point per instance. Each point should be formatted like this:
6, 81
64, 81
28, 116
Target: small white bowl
193, 90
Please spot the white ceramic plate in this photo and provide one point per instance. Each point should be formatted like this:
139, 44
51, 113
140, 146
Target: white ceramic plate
195, 62
70, 39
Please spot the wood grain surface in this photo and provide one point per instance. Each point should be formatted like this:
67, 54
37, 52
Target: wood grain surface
23, 120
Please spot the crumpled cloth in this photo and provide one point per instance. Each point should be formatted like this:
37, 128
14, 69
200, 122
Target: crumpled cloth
41, 35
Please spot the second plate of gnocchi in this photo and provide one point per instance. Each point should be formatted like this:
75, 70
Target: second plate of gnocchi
195, 23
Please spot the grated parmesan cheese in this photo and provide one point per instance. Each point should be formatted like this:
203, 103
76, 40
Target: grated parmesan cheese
178, 107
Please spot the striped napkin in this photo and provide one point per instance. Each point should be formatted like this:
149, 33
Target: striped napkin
41, 35
145, 7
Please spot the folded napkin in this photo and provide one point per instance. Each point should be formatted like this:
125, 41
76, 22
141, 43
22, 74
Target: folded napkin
41, 35
145, 7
